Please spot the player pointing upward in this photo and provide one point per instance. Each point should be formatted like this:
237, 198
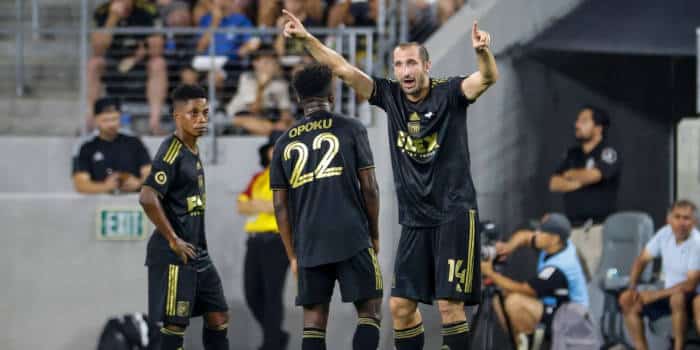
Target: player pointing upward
438, 255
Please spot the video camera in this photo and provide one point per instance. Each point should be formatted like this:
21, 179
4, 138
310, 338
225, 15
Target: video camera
490, 234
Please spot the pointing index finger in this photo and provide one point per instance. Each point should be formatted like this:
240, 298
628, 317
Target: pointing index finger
475, 28
290, 15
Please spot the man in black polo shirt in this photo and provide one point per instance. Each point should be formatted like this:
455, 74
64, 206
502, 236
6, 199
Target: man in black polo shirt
110, 161
589, 177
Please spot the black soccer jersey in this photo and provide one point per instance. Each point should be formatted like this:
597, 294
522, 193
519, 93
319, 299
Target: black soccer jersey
317, 160
429, 151
595, 201
178, 177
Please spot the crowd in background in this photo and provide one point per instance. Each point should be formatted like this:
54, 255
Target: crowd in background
134, 66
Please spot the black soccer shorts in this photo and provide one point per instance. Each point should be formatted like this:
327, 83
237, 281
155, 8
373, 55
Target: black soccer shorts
178, 292
359, 278
440, 262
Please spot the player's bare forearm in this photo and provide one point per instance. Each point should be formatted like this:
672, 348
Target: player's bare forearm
584, 176
148, 198
351, 75
370, 193
280, 201
512, 286
477, 83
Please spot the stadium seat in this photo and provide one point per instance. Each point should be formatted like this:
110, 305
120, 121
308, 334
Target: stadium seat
624, 237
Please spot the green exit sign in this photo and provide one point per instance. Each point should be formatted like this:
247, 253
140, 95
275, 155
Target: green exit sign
121, 224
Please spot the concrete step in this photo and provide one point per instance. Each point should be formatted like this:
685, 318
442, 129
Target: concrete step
55, 115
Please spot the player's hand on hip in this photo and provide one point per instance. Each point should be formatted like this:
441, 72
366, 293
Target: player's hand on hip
294, 28
293, 266
182, 249
480, 39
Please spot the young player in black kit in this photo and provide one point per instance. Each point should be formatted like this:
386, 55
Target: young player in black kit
182, 280
438, 254
326, 203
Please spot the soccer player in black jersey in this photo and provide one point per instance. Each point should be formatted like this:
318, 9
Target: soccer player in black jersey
182, 280
327, 208
438, 254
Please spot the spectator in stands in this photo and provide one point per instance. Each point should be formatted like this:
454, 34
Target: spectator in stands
589, 177
353, 13
678, 245
266, 262
287, 46
559, 279
110, 161
227, 14
262, 102
123, 52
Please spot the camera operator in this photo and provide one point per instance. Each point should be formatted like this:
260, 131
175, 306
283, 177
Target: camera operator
559, 277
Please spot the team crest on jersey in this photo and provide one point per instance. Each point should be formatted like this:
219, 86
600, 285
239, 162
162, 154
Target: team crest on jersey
98, 156
183, 309
414, 123
609, 155
161, 178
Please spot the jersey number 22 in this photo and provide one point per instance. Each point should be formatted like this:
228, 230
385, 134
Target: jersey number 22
323, 168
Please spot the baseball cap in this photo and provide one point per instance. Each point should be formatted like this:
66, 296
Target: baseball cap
104, 104
556, 224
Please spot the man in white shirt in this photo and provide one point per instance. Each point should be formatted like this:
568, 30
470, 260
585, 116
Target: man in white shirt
678, 245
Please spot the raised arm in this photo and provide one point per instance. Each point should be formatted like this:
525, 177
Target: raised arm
351, 75
477, 83
280, 201
370, 193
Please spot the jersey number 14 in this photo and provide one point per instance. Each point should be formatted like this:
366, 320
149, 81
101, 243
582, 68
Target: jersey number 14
323, 168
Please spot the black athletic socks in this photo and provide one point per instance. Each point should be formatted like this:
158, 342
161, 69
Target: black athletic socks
410, 338
366, 334
215, 339
314, 339
455, 336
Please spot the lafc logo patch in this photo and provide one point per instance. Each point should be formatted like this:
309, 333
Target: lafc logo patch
161, 178
183, 309
609, 155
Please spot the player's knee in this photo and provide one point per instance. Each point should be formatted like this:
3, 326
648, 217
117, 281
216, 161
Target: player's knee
402, 308
677, 302
216, 320
450, 309
315, 316
370, 308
